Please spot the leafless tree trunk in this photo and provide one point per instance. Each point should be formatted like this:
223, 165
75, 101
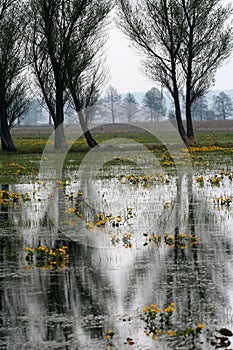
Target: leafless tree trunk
184, 43
61, 34
12, 25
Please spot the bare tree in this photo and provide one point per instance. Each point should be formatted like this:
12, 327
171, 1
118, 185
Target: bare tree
61, 32
85, 90
223, 106
206, 44
130, 106
184, 42
156, 103
12, 88
200, 108
85, 73
17, 102
151, 26
112, 100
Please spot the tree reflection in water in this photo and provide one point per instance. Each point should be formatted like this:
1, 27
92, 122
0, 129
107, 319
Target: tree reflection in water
107, 287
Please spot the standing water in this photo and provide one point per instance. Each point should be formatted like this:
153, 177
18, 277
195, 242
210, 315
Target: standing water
117, 260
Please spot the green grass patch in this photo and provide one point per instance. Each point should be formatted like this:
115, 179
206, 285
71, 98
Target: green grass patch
212, 148
223, 138
15, 167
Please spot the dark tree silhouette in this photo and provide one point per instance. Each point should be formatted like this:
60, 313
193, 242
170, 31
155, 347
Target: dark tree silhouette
184, 43
61, 35
12, 61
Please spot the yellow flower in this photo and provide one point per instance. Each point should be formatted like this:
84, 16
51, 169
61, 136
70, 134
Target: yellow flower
70, 210
172, 333
43, 248
182, 235
193, 240
146, 308
90, 225
110, 334
169, 309
28, 249
118, 218
200, 179
100, 223
200, 325
154, 310
173, 304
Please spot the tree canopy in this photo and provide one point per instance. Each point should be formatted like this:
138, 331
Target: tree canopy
156, 103
64, 40
223, 106
183, 42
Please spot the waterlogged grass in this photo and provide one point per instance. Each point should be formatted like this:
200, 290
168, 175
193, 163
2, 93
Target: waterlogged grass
35, 143
215, 138
161, 322
46, 258
25, 163
13, 167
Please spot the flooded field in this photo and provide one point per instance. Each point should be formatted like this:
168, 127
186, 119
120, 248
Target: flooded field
119, 259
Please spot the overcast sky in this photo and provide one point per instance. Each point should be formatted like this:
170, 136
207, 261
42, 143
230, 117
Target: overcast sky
124, 67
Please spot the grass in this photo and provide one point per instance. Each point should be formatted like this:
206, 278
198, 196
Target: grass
215, 138
34, 144
24, 165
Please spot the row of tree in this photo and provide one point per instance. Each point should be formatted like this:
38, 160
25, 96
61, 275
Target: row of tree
113, 108
206, 108
154, 107
221, 107
112, 105
54, 48
183, 42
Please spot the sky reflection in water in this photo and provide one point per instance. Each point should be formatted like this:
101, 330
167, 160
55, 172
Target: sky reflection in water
118, 268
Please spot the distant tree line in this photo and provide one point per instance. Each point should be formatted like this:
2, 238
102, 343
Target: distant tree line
113, 108
209, 108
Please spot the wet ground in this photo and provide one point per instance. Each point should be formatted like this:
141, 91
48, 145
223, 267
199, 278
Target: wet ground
84, 260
